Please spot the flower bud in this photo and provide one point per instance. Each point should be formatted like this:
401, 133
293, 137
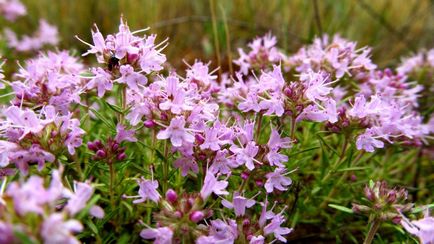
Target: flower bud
244, 175
288, 91
149, 123
199, 139
369, 194
101, 153
196, 216
115, 146
171, 196
391, 197
92, 146
259, 183
121, 156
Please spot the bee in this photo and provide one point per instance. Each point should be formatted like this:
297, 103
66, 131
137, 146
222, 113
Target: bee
112, 63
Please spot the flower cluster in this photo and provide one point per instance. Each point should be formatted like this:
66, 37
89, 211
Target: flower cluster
219, 149
31, 138
36, 212
12, 9
45, 35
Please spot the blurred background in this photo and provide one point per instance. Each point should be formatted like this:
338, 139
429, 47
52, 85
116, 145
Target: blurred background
394, 28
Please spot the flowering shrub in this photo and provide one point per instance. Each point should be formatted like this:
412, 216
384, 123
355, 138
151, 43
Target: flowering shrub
131, 148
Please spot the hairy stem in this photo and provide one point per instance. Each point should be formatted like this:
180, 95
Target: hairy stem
372, 230
165, 166
112, 174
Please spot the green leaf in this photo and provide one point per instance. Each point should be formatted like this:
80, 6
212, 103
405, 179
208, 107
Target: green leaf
104, 120
92, 226
341, 208
423, 208
371, 183
354, 168
25, 239
114, 107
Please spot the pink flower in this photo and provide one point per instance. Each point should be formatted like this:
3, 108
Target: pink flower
275, 228
124, 40
151, 59
77, 200
34, 154
239, 204
220, 232
124, 135
99, 44
131, 78
257, 240
101, 81
12, 9
422, 228
246, 155
175, 97
277, 180
317, 87
212, 184
186, 164
176, 132
162, 235
137, 112
368, 141
24, 119
56, 230
148, 190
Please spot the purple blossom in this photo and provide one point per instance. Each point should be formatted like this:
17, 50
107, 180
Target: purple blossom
56, 230
177, 132
186, 164
220, 232
148, 190
212, 184
239, 204
29, 197
175, 97
22, 158
213, 137
277, 180
368, 141
137, 112
317, 85
422, 228
257, 240
246, 155
77, 200
275, 228
46, 34
124, 135
101, 81
99, 44
162, 235
12, 9
151, 59
24, 119
124, 42
131, 78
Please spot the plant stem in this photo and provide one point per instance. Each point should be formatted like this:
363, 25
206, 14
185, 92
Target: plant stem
293, 118
216, 38
372, 230
339, 182
112, 173
123, 102
165, 167
258, 129
338, 162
